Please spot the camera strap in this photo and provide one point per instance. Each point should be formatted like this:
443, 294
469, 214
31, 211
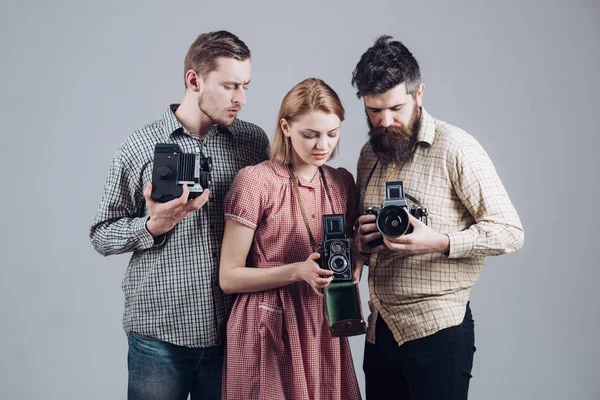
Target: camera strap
390, 176
294, 178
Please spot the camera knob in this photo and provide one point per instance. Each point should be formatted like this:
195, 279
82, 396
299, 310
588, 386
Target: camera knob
165, 172
206, 164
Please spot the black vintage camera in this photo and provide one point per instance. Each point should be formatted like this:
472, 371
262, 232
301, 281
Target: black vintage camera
343, 310
174, 168
392, 218
336, 253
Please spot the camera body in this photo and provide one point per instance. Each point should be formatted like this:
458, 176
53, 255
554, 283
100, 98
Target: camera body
173, 168
392, 217
336, 254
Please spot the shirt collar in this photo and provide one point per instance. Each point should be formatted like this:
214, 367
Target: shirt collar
171, 124
427, 130
284, 172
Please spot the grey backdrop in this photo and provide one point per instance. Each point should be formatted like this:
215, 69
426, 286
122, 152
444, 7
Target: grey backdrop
77, 77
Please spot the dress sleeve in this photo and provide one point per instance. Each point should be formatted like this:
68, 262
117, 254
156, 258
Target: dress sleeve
244, 200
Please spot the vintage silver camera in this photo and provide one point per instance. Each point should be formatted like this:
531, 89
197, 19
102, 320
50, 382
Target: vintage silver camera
392, 217
336, 253
173, 168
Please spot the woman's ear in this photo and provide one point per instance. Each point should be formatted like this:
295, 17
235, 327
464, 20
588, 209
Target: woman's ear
285, 127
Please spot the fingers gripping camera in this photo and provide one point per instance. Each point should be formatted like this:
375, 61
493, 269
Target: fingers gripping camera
392, 218
173, 168
337, 255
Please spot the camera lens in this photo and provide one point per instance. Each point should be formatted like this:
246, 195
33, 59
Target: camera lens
336, 248
392, 221
338, 264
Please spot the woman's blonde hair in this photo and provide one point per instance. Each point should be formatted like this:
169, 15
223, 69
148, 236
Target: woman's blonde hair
311, 94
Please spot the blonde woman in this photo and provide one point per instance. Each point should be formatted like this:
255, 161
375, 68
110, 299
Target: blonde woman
278, 343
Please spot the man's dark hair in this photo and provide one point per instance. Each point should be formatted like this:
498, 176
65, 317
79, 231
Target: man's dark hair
384, 66
203, 53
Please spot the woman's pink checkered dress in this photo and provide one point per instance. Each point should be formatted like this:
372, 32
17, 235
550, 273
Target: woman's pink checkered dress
278, 344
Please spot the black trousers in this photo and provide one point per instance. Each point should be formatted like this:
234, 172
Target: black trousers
431, 368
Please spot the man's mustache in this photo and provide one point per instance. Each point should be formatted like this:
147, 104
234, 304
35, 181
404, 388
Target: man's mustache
392, 129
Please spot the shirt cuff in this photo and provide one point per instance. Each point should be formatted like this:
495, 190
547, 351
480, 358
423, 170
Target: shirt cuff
241, 220
145, 239
461, 244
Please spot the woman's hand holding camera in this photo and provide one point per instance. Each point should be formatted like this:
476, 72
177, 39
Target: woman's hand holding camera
164, 216
311, 272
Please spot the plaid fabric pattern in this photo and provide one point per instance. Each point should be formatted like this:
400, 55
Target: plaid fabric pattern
278, 342
171, 285
450, 174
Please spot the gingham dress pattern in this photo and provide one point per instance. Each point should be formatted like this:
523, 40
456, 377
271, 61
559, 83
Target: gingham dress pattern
450, 174
278, 344
170, 286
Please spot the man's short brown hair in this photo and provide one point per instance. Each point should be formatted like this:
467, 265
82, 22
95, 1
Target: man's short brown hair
203, 53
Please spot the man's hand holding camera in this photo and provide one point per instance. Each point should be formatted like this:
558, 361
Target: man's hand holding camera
398, 226
164, 216
367, 233
423, 240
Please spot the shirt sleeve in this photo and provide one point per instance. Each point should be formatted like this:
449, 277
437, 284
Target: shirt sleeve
497, 229
120, 222
244, 200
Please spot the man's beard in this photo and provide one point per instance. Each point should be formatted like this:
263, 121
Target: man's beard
204, 103
396, 142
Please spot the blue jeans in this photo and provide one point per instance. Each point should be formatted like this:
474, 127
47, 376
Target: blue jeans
160, 370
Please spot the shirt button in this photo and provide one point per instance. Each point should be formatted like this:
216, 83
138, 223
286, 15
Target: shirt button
313, 216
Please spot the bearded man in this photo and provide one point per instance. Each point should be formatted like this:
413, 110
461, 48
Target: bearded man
420, 341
